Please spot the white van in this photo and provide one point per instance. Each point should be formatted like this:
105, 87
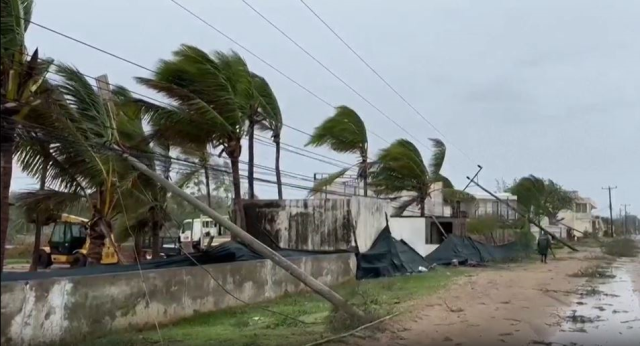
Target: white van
196, 233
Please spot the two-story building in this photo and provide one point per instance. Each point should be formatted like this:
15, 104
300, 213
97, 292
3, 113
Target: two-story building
580, 217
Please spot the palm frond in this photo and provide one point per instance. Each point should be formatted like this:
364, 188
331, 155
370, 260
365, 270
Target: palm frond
267, 105
15, 18
437, 157
401, 206
322, 184
398, 168
188, 177
344, 132
49, 200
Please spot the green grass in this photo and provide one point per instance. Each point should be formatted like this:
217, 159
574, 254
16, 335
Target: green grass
251, 325
14, 261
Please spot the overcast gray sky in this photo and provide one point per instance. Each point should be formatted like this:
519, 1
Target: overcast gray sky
543, 87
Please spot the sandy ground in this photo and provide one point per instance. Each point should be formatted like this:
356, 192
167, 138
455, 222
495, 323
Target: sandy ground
519, 304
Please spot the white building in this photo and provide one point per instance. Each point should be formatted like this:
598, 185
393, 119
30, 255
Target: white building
581, 216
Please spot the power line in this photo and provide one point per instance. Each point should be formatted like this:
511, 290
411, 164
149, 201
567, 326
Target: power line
380, 77
170, 105
332, 73
153, 71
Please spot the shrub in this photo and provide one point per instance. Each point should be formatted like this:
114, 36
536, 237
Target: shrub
621, 247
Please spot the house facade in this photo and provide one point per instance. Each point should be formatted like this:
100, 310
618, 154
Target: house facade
581, 217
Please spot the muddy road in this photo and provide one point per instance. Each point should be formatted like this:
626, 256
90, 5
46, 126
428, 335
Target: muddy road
528, 304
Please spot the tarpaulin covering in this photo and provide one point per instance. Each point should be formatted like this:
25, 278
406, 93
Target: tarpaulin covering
466, 249
226, 252
388, 256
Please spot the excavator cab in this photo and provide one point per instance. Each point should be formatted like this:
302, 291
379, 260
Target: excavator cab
69, 243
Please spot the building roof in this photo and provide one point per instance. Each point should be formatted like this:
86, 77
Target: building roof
501, 195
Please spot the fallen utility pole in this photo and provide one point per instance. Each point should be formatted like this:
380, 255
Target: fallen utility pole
537, 224
322, 290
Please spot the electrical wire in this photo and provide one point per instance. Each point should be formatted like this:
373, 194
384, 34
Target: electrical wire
416, 111
332, 73
168, 104
152, 71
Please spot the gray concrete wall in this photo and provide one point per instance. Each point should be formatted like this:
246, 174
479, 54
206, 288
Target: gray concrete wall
317, 224
65, 310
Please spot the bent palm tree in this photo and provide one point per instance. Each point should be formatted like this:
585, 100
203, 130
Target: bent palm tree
21, 77
400, 169
344, 132
267, 117
215, 92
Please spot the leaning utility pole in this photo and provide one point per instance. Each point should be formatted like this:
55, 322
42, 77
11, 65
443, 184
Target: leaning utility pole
537, 224
610, 209
322, 290
625, 216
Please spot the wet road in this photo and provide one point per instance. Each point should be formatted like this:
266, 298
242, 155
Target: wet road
611, 317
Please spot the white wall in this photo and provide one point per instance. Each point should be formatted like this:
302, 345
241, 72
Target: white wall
413, 231
368, 215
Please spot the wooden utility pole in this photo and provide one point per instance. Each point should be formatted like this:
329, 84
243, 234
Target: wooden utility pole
252, 242
553, 236
610, 209
625, 216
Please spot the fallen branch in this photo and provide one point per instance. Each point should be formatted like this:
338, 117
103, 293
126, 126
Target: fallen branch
320, 342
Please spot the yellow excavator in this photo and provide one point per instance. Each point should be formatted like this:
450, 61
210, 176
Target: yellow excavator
69, 243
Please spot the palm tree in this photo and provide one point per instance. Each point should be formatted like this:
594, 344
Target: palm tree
21, 76
344, 132
84, 171
266, 115
542, 197
215, 91
400, 169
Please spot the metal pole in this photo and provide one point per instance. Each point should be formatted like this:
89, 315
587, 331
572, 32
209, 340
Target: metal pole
253, 243
553, 236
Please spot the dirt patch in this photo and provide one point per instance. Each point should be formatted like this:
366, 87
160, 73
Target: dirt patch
518, 305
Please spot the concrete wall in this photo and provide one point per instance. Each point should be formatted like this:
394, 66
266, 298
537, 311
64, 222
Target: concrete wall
66, 310
412, 230
317, 224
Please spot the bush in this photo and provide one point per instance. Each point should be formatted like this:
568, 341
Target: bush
621, 247
483, 225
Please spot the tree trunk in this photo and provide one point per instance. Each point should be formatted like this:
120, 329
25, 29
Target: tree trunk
234, 155
276, 140
251, 134
207, 185
6, 162
39, 215
422, 202
365, 180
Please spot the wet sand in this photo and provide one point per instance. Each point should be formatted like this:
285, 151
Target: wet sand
525, 304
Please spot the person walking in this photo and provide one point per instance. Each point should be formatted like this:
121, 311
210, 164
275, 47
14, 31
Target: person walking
544, 244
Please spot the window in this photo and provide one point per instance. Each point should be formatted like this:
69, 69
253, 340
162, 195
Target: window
187, 226
581, 208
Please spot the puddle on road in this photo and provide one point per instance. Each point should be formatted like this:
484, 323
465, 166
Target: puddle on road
609, 319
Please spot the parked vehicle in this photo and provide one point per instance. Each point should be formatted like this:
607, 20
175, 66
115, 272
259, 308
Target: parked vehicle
200, 233
69, 243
